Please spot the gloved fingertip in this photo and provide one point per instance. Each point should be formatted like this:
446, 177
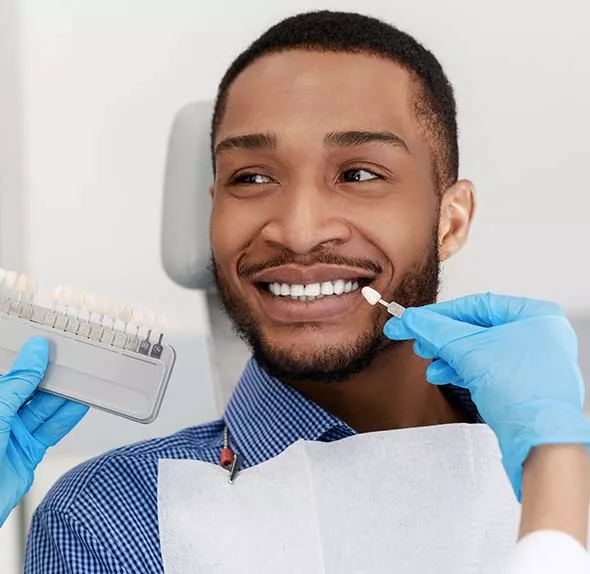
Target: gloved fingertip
37, 345
441, 381
438, 383
74, 411
439, 372
79, 410
423, 351
31, 360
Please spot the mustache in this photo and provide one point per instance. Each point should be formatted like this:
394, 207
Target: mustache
328, 258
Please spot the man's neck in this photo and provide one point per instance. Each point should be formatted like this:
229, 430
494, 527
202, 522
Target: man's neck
391, 393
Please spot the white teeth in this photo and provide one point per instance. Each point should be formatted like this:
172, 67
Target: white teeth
312, 291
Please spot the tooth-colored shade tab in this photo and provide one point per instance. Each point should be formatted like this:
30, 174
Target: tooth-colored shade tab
138, 317
90, 302
10, 279
103, 306
371, 295
113, 309
162, 322
57, 293
126, 314
21, 283
32, 287
77, 299
66, 296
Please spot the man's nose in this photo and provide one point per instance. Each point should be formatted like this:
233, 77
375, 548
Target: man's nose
306, 217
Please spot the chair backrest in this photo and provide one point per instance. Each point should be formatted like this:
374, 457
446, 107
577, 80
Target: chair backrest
185, 245
186, 204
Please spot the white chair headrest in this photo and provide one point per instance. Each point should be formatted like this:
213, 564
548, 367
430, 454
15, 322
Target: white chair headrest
185, 249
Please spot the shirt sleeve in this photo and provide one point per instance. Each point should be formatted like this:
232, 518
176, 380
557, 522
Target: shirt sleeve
548, 552
58, 543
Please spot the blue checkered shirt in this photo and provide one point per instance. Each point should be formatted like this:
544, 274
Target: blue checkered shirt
102, 516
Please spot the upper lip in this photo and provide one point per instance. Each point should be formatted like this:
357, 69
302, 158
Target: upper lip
305, 275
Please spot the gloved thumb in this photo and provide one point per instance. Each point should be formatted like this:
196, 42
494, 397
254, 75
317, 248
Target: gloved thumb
439, 372
27, 371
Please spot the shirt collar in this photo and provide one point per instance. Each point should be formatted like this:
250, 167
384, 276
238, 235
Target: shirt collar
265, 416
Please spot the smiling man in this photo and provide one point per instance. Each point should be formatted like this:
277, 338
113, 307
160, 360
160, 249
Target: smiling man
334, 142
335, 146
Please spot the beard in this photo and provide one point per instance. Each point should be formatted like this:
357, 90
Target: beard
335, 363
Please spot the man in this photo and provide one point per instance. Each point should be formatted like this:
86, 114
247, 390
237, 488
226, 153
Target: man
334, 142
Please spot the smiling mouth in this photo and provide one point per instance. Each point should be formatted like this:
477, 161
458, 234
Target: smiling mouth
313, 291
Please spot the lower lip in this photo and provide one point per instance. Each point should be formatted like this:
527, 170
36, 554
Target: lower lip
327, 308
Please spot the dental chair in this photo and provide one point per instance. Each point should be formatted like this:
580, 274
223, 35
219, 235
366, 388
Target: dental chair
185, 248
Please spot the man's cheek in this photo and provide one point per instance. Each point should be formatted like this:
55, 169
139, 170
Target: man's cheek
405, 242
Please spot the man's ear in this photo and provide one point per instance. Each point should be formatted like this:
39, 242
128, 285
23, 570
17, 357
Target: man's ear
457, 207
211, 191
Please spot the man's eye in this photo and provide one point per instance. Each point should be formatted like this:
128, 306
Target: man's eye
252, 178
358, 175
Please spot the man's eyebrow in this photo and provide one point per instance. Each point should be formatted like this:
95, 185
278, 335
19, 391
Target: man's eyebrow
358, 138
250, 142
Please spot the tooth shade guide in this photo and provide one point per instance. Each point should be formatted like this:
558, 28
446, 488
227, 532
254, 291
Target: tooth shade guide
82, 315
373, 297
85, 355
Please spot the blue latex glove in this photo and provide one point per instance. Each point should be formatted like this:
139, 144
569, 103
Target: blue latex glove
517, 357
27, 429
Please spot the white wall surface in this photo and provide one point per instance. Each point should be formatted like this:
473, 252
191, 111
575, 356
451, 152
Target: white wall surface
88, 90
101, 81
12, 213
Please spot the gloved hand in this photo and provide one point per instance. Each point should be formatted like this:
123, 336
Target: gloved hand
517, 357
27, 430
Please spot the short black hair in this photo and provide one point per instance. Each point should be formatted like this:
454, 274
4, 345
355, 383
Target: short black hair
346, 32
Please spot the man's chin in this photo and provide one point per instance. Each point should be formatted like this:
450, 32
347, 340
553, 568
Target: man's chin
319, 360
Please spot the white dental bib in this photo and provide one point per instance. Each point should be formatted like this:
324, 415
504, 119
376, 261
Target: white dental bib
430, 500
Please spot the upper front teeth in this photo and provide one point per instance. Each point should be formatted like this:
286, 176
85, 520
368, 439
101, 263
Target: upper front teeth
313, 290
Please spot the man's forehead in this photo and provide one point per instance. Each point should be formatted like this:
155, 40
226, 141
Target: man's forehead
307, 62
328, 91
